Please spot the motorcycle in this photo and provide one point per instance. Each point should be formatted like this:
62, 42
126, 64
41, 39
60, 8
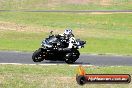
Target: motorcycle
59, 48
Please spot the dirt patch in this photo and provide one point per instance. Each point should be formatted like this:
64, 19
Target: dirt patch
46, 79
99, 2
105, 2
1, 79
19, 27
5, 26
109, 12
101, 13
78, 1
66, 79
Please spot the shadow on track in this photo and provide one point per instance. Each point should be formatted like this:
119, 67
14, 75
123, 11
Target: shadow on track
62, 62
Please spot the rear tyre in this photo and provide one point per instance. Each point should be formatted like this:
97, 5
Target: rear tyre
37, 56
70, 58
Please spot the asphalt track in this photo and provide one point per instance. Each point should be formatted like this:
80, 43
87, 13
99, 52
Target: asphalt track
85, 59
71, 11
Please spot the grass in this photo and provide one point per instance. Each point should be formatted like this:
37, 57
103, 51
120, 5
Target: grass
66, 5
36, 76
24, 41
105, 33
62, 20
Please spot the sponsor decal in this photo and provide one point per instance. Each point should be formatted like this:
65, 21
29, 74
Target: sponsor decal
83, 78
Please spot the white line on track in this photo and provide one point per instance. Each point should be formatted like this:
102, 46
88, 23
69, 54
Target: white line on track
73, 65
24, 64
44, 64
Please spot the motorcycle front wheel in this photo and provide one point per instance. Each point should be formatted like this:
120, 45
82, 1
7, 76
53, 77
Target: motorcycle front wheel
38, 56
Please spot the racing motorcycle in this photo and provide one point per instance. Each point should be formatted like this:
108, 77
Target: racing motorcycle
59, 48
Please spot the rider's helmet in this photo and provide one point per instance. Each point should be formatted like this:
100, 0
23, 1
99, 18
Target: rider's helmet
68, 33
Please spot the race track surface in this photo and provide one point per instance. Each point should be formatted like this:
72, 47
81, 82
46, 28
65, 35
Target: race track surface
85, 59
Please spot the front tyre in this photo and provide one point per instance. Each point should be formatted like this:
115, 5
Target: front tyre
37, 56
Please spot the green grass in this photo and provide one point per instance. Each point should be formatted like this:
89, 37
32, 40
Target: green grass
121, 22
104, 33
36, 76
31, 41
66, 5
20, 41
124, 5
73, 20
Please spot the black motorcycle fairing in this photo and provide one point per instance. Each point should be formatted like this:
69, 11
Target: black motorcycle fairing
54, 41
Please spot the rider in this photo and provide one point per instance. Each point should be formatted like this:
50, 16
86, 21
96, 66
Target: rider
67, 34
69, 37
65, 37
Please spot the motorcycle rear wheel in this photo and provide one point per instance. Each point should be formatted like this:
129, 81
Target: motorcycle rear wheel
70, 58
